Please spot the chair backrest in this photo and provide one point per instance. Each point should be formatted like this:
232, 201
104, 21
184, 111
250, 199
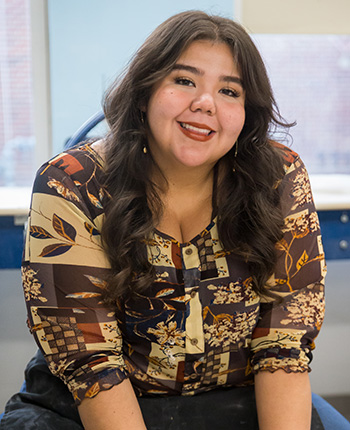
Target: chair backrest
82, 132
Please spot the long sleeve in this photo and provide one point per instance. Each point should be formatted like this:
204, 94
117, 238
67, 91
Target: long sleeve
64, 271
289, 323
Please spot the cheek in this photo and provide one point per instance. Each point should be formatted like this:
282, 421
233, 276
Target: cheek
168, 102
234, 120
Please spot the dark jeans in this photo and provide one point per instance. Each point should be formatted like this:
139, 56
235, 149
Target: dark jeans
46, 404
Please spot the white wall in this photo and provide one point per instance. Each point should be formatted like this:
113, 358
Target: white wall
294, 16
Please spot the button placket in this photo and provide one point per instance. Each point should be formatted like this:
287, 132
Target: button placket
190, 256
194, 329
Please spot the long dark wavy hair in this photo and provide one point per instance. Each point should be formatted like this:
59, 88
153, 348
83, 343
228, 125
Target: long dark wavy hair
248, 214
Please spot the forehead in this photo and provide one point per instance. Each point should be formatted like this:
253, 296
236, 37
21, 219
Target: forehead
209, 54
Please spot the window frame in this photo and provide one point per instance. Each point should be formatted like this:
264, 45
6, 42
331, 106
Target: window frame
41, 80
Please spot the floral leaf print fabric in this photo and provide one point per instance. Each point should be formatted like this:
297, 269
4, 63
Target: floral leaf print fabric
61, 189
63, 271
39, 232
31, 285
200, 325
306, 309
301, 190
55, 249
291, 323
63, 228
230, 329
234, 292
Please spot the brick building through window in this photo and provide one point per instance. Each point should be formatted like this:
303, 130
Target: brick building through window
17, 144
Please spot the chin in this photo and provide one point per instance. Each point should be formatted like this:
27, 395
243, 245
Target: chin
192, 164
194, 160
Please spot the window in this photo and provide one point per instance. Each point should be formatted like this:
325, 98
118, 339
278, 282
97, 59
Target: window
17, 144
310, 76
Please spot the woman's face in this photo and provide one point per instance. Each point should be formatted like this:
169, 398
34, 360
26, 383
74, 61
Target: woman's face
196, 113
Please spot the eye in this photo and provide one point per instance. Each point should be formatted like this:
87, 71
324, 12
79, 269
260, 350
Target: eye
184, 81
230, 92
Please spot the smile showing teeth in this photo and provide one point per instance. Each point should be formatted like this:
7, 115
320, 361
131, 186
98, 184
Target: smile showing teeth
203, 131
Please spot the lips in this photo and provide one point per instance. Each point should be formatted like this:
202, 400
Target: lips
196, 131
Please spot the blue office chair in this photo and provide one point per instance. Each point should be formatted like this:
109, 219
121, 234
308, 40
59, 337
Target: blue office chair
83, 131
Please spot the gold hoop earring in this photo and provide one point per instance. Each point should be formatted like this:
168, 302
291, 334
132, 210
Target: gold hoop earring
144, 149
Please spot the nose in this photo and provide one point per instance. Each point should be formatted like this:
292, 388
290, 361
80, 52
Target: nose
204, 103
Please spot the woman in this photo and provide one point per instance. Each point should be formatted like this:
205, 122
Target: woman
181, 255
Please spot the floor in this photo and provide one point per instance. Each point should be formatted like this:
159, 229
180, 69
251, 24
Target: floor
341, 404
330, 376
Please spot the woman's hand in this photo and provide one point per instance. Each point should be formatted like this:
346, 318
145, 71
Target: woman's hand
283, 400
114, 409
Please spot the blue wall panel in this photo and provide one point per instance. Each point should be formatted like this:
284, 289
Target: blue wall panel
335, 227
11, 243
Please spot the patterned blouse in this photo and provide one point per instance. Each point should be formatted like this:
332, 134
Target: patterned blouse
199, 326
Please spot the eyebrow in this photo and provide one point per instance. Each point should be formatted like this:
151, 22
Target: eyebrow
198, 72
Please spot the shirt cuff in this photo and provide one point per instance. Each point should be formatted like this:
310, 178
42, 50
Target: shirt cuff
290, 360
82, 384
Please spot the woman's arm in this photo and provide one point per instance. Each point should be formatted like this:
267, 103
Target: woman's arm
64, 274
114, 409
283, 400
284, 337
